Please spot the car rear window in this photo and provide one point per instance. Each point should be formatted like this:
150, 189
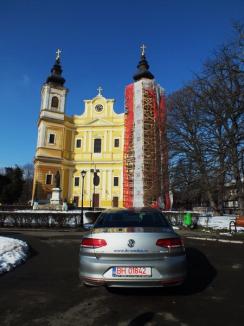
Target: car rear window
131, 219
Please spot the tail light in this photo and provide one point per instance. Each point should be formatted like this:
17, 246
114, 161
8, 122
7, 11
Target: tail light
93, 243
170, 243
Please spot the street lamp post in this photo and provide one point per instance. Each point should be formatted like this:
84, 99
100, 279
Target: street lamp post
96, 181
83, 174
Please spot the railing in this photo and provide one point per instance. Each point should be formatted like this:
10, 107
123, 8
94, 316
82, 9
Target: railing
176, 218
39, 219
14, 207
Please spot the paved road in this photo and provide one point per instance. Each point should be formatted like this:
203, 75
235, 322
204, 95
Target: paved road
46, 290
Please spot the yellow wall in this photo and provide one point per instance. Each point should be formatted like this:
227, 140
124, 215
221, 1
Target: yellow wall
70, 160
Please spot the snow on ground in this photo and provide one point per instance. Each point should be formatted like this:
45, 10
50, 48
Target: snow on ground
217, 222
207, 221
12, 253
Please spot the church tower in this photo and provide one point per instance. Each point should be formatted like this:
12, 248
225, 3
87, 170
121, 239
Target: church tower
145, 148
53, 94
50, 149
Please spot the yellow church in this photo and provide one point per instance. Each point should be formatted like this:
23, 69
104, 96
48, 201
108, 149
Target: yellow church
86, 150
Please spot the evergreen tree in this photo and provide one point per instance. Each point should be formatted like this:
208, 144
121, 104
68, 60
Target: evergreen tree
11, 185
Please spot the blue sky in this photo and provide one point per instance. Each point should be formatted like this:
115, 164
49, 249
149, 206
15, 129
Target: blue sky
100, 42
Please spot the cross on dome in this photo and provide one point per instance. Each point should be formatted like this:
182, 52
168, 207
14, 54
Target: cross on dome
99, 91
58, 52
143, 47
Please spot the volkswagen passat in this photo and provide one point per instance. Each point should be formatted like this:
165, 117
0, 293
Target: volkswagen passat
132, 248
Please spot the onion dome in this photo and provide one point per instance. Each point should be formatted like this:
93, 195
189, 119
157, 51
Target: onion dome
142, 67
56, 72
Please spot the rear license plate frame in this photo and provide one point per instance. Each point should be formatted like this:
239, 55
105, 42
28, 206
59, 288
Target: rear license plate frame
131, 271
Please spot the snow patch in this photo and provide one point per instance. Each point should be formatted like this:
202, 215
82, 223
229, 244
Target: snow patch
217, 222
12, 253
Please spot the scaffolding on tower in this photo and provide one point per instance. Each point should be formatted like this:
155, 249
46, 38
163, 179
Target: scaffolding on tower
145, 148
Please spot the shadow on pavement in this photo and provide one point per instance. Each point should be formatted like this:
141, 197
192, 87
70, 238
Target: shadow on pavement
143, 319
199, 275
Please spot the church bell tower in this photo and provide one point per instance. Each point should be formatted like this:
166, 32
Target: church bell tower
53, 93
145, 148
50, 151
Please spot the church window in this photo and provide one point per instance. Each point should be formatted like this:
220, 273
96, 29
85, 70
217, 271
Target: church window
51, 139
49, 179
78, 143
116, 142
77, 181
97, 145
116, 181
55, 101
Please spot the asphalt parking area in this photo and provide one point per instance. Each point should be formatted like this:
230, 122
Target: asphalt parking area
46, 289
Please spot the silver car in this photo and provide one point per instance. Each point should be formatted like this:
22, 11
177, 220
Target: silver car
132, 248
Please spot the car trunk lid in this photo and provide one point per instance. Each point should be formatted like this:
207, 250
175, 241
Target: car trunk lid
135, 243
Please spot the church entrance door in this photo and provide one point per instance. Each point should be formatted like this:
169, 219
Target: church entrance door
76, 201
115, 201
95, 200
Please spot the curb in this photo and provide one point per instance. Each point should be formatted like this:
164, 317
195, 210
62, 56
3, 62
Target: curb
216, 240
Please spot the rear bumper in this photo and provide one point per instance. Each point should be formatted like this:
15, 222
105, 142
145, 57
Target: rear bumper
168, 272
131, 283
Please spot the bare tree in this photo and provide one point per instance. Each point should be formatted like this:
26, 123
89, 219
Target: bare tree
206, 124
28, 173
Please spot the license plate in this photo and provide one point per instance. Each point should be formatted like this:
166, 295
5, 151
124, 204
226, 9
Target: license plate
131, 271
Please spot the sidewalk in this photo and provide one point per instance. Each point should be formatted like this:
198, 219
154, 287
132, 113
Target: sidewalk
211, 235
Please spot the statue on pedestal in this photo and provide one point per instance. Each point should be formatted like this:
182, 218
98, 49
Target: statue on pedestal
56, 192
57, 180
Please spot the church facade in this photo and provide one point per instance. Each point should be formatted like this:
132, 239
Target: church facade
100, 156
91, 142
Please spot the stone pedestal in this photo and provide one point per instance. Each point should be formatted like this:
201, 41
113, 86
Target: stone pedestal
55, 199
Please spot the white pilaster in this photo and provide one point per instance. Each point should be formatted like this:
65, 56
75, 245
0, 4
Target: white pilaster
89, 141
70, 194
110, 184
103, 183
110, 141
105, 141
61, 104
84, 144
41, 135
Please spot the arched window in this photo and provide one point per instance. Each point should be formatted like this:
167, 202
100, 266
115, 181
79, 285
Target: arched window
55, 101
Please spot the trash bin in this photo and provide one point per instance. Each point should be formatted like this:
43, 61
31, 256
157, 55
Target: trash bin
187, 219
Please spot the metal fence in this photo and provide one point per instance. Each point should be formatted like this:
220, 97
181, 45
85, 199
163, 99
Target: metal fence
176, 218
35, 218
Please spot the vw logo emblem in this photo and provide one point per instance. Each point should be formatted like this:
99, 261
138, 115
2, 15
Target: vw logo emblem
131, 243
